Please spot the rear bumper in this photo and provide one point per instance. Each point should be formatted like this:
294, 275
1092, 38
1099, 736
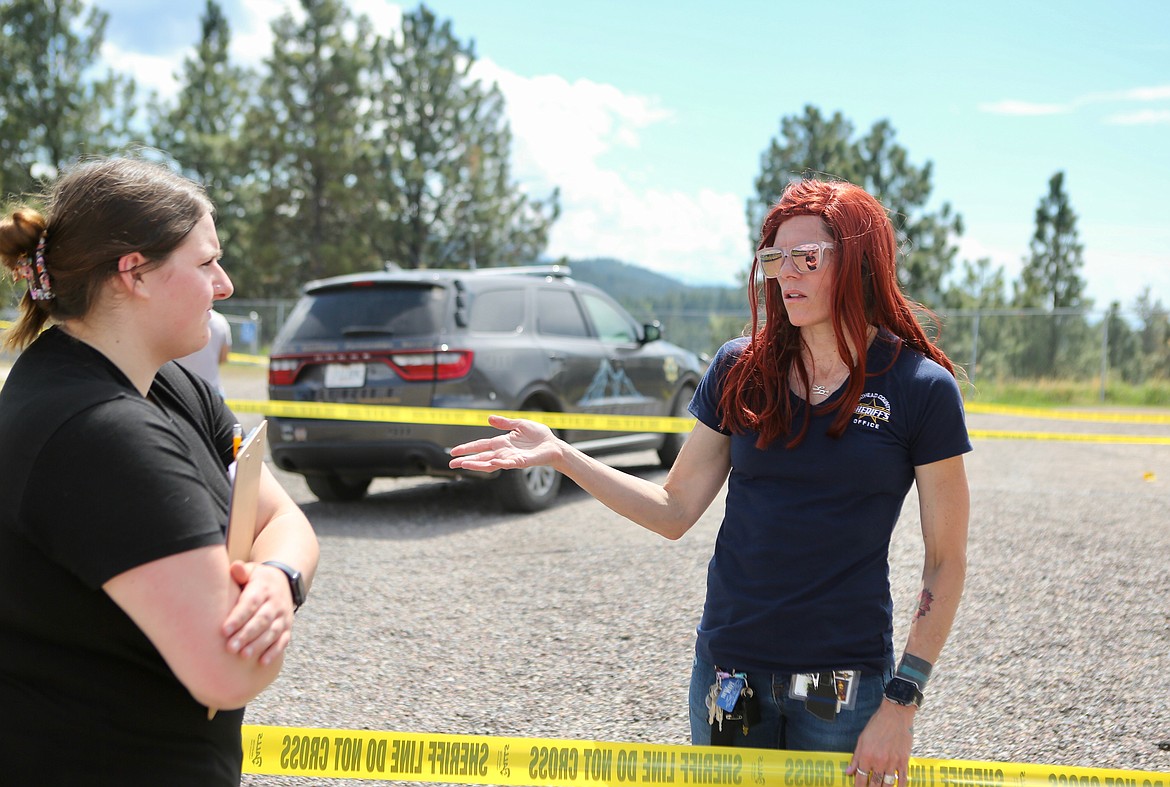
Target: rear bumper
368, 449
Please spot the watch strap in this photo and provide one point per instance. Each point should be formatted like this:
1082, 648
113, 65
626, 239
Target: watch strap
296, 583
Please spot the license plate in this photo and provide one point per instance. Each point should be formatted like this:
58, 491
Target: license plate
345, 375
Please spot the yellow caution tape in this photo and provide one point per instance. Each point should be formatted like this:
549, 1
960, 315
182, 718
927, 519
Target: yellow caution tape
616, 423
1070, 437
666, 424
457, 417
1095, 416
477, 759
251, 360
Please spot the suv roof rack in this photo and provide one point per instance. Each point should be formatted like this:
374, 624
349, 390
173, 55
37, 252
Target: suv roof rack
559, 271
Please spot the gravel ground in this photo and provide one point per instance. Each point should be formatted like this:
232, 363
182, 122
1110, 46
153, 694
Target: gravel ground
435, 611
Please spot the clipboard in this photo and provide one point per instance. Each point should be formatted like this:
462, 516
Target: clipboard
245, 495
244, 500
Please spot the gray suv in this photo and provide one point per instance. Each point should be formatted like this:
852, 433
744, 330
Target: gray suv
528, 338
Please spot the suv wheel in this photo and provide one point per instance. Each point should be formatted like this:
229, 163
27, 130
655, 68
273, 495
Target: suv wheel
528, 490
334, 489
674, 440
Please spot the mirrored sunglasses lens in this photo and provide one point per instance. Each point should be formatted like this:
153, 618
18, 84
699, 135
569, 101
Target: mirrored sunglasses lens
770, 260
807, 256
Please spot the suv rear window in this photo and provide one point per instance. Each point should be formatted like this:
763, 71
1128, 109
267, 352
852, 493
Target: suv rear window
401, 310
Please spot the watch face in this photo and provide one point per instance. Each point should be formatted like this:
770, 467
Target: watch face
903, 692
298, 588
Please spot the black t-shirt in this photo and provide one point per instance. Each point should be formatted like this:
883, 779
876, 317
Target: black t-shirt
97, 480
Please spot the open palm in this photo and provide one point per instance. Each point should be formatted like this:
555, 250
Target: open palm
524, 444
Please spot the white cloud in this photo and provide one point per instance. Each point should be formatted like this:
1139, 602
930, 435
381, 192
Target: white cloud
252, 31
251, 42
1120, 271
972, 250
385, 15
1156, 93
561, 128
1144, 117
150, 72
561, 134
1112, 272
1139, 94
1023, 108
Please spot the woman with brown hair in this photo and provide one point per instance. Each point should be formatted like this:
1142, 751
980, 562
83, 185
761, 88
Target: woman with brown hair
121, 620
819, 421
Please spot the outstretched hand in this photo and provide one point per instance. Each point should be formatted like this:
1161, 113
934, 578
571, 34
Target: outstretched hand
525, 444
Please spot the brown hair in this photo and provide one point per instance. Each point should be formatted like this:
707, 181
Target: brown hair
96, 213
865, 292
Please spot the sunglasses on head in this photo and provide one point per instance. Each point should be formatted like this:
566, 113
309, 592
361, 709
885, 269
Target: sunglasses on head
807, 257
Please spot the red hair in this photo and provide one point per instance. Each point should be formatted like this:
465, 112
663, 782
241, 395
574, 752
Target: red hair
865, 292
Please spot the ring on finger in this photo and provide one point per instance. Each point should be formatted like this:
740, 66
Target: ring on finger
889, 778
860, 772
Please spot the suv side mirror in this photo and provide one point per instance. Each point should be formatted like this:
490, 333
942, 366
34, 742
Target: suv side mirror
651, 332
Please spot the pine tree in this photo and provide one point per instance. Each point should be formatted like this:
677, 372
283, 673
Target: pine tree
1051, 277
811, 145
53, 109
444, 191
1056, 344
1153, 336
203, 131
308, 154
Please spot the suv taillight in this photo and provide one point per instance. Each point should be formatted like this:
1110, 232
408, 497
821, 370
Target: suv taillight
283, 371
419, 366
411, 366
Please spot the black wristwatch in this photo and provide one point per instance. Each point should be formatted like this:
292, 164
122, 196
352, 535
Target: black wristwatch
296, 584
904, 692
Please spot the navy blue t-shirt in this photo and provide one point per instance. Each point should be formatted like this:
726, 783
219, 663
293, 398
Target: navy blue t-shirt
799, 581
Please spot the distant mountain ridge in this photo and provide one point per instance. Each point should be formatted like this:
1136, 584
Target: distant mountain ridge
617, 277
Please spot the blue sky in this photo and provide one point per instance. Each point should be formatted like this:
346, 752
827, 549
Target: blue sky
651, 116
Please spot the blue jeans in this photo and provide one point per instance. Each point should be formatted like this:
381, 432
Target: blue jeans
784, 722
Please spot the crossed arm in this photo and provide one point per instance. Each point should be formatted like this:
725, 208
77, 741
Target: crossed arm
223, 629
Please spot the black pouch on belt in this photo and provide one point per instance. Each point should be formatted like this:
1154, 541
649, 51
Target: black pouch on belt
822, 700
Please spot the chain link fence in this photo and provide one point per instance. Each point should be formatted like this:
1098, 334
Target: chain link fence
991, 345
1004, 345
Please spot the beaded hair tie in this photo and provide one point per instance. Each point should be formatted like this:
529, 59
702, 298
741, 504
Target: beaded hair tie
40, 286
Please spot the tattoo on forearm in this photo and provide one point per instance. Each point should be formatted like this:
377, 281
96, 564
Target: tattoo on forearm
924, 601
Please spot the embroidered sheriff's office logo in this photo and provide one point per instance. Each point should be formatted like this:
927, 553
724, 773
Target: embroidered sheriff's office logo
872, 411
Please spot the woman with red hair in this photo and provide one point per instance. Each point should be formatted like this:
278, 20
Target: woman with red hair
819, 421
